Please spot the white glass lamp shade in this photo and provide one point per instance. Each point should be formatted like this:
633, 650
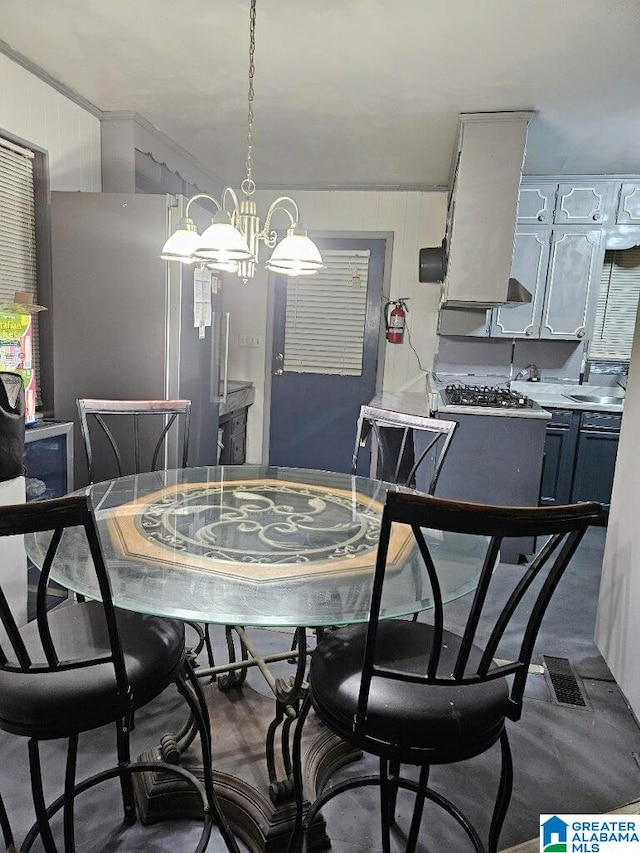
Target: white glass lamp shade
297, 254
182, 243
230, 266
222, 242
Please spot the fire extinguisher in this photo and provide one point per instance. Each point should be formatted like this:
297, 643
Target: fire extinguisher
396, 320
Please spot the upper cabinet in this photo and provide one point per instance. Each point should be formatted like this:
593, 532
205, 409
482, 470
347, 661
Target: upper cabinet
563, 227
558, 255
487, 167
628, 208
576, 202
583, 203
537, 203
575, 264
561, 268
530, 264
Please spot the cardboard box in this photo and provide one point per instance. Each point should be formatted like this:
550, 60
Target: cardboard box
16, 355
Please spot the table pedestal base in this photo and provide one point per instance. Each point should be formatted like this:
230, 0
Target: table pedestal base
240, 718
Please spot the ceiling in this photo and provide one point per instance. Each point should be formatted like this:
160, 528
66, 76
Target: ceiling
351, 93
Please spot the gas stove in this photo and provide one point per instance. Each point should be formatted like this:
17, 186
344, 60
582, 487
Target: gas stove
487, 396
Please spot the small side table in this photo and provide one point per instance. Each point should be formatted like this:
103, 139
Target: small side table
48, 459
48, 463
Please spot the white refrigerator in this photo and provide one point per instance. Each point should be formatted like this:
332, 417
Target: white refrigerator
123, 319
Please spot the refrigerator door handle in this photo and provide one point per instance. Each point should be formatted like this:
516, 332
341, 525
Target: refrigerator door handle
226, 358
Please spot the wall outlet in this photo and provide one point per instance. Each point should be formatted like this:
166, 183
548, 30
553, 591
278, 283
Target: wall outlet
250, 340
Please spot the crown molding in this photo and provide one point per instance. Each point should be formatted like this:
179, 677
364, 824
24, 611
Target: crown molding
41, 74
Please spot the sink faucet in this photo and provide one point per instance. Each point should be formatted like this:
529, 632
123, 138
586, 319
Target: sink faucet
531, 372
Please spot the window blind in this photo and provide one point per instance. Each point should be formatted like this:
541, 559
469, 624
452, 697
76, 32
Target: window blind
17, 231
617, 306
325, 317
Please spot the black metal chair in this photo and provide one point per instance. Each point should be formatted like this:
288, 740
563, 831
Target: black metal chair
394, 445
136, 433
133, 453
77, 668
418, 693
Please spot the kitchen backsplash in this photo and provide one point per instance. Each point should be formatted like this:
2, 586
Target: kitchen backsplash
557, 360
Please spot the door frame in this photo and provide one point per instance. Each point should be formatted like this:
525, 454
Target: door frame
387, 236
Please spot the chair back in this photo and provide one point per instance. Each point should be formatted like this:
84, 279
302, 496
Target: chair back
135, 447
396, 459
42, 656
471, 652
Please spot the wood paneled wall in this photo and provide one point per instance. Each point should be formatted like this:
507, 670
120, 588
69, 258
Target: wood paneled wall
39, 114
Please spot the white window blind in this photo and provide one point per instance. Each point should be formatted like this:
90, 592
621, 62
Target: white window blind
617, 306
325, 319
17, 230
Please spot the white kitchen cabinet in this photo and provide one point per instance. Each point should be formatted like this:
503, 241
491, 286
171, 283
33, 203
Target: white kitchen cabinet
583, 203
561, 267
573, 202
530, 264
628, 208
537, 203
573, 279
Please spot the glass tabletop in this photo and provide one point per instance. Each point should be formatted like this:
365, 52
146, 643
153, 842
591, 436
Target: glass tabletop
257, 546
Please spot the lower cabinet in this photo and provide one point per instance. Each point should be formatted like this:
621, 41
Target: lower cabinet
559, 458
579, 457
234, 438
596, 457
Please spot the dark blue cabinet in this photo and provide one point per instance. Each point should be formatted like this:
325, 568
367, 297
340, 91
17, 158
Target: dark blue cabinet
559, 457
596, 454
579, 457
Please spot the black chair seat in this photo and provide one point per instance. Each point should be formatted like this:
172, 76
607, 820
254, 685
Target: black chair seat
412, 693
56, 704
437, 723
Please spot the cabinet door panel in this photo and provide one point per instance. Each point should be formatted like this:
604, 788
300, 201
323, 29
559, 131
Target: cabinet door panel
628, 212
529, 266
536, 203
595, 466
574, 274
583, 204
557, 466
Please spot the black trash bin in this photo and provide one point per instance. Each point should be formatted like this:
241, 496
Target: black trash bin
11, 426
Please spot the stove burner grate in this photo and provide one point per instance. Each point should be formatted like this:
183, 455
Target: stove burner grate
485, 395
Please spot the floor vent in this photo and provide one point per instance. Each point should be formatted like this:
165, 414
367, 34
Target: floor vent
563, 682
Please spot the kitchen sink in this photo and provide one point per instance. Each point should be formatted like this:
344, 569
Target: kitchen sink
599, 400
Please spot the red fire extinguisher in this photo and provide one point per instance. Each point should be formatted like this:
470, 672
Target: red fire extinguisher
396, 320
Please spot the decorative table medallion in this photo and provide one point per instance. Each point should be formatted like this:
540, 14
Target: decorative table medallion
259, 529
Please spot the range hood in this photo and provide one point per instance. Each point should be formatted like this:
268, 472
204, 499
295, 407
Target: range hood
481, 218
517, 293
433, 267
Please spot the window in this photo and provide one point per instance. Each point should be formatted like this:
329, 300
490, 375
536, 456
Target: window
324, 330
617, 306
17, 222
18, 268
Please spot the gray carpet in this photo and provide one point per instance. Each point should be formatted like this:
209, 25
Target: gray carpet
567, 759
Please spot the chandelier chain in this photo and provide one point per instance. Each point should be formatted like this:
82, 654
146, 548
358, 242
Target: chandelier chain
248, 185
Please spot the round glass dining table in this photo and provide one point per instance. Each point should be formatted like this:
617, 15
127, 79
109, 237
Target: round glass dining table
258, 546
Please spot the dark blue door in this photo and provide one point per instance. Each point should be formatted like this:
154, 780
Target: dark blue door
314, 409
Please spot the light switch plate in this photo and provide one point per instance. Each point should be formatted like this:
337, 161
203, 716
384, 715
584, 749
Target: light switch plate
250, 340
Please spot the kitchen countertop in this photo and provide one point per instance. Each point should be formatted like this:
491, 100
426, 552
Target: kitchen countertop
546, 395
240, 394
553, 395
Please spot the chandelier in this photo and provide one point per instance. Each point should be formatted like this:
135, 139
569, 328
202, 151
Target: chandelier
231, 242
